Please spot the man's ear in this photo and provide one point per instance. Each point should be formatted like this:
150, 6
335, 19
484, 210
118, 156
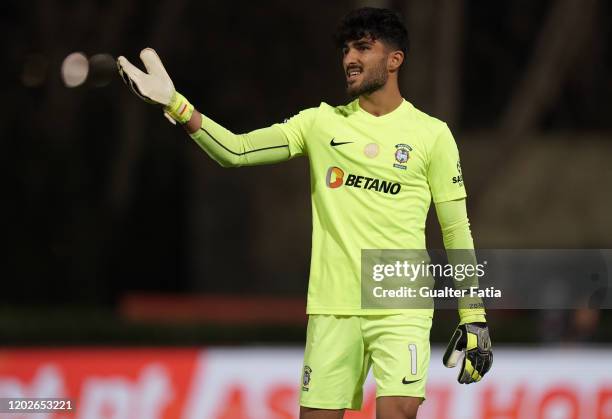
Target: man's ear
396, 58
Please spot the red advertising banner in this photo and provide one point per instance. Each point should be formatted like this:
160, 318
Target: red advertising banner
103, 383
263, 383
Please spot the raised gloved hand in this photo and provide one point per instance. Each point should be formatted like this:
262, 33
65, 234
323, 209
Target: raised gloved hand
155, 86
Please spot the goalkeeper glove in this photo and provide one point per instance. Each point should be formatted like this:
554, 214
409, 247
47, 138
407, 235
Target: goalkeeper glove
472, 340
155, 86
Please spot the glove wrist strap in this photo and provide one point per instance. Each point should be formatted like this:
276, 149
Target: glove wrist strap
179, 108
478, 317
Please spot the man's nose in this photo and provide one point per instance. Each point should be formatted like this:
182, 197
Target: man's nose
350, 57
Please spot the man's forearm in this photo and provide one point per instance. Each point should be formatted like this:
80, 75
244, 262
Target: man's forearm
459, 245
194, 123
262, 146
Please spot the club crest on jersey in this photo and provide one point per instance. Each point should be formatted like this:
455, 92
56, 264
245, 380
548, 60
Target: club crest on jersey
402, 154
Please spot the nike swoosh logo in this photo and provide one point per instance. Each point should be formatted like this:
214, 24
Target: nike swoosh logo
404, 381
334, 143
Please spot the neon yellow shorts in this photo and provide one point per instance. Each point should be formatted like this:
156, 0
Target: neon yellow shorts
341, 349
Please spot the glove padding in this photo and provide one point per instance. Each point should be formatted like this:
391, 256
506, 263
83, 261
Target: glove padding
473, 341
155, 86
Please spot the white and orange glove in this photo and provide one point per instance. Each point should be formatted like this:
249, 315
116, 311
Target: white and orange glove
155, 86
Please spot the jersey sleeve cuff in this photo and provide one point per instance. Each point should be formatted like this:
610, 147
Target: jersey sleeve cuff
293, 149
450, 196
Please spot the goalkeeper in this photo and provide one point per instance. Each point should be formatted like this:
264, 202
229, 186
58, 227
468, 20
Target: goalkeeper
375, 165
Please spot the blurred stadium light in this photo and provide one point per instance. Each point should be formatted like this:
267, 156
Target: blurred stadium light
102, 69
75, 68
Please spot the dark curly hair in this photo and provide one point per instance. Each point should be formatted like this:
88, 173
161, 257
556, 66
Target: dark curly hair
382, 24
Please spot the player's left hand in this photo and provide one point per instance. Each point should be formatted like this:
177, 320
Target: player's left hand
155, 86
471, 339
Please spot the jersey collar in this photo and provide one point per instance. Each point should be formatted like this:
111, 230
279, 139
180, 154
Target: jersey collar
404, 106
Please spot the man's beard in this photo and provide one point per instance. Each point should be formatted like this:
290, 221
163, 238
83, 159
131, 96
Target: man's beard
377, 80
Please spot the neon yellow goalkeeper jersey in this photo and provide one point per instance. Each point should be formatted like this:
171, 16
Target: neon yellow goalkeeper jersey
372, 181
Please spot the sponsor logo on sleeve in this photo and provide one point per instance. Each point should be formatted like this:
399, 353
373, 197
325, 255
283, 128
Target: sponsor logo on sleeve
459, 178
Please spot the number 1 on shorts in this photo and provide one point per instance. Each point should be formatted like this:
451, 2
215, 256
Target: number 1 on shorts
413, 358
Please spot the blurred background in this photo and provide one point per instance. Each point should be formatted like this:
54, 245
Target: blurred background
122, 235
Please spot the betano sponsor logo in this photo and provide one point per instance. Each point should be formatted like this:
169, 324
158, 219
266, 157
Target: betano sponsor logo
336, 177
